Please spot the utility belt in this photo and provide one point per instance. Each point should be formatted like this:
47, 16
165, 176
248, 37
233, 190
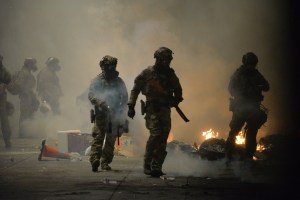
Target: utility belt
154, 106
236, 104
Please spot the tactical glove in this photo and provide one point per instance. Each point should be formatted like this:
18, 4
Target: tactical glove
101, 105
131, 112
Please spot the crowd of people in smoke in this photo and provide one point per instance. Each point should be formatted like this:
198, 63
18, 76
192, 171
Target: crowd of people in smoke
41, 92
112, 104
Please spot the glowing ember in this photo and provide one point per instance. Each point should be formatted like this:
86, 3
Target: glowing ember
260, 148
210, 134
170, 138
240, 138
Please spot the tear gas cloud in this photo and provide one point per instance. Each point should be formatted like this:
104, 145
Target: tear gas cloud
208, 38
190, 166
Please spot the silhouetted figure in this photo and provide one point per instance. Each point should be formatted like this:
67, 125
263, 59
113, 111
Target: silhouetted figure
246, 86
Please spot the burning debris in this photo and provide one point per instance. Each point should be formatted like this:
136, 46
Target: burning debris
281, 147
212, 148
272, 147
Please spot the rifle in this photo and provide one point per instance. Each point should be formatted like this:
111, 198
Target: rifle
161, 90
93, 117
182, 115
118, 134
124, 127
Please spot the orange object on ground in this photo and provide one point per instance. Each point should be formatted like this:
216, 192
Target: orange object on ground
48, 151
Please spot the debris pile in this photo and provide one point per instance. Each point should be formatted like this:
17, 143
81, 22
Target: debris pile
186, 148
278, 147
212, 149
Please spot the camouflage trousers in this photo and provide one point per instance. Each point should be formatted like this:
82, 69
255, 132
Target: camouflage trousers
159, 125
28, 106
254, 118
103, 144
25, 114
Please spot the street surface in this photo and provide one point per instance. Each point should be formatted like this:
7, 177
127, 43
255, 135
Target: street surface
22, 176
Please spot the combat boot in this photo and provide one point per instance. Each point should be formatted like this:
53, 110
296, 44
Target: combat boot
105, 166
147, 165
95, 165
157, 173
147, 169
156, 169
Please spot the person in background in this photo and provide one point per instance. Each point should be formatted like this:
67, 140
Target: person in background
5, 79
48, 85
246, 87
23, 84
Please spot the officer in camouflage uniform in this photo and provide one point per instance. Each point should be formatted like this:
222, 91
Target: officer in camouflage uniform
26, 83
48, 86
162, 89
246, 86
5, 78
108, 94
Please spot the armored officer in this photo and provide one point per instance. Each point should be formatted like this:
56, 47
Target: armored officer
48, 85
162, 90
5, 78
24, 84
246, 87
108, 94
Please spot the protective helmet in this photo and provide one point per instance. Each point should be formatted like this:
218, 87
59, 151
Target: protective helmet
163, 53
52, 60
29, 62
107, 61
250, 59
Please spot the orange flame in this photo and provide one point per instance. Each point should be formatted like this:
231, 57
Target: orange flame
240, 138
210, 134
260, 148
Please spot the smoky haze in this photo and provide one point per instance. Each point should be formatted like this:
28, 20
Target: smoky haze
208, 38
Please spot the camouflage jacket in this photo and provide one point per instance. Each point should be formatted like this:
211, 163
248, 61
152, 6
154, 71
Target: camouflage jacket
113, 93
48, 85
5, 78
26, 81
156, 86
248, 85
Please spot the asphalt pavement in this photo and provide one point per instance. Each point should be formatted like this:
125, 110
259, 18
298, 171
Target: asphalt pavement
23, 176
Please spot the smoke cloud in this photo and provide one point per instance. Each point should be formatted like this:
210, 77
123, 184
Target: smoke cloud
208, 38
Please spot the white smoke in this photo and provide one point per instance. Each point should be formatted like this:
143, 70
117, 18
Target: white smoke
208, 39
